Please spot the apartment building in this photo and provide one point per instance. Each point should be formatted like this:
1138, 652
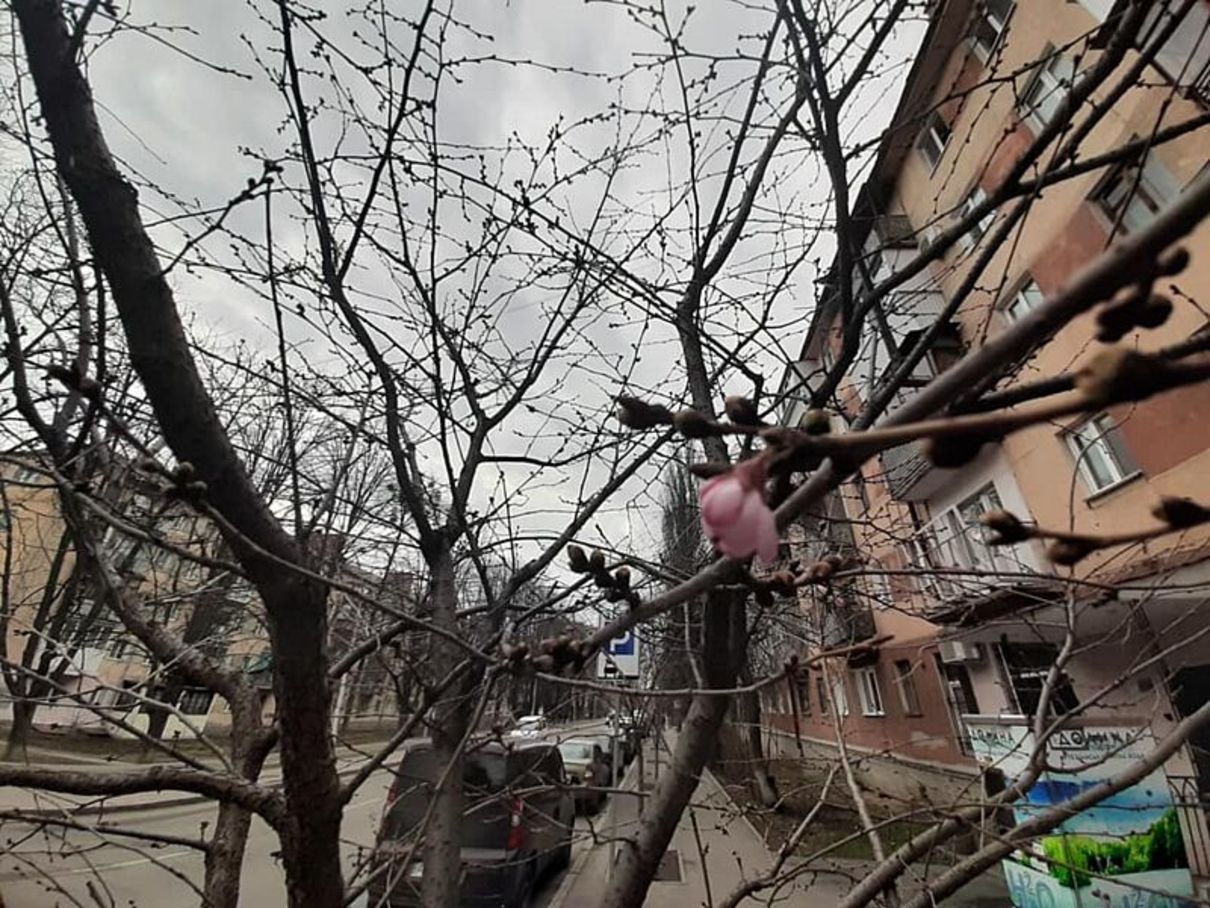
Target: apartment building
961, 634
54, 626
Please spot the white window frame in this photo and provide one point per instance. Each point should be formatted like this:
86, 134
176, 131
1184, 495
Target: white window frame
1091, 439
905, 681
1051, 83
1029, 296
985, 15
869, 692
979, 229
1150, 190
840, 699
932, 141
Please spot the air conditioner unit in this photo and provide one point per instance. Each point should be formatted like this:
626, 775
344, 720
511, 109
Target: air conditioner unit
955, 651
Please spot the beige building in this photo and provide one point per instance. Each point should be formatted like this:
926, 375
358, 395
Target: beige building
54, 627
969, 630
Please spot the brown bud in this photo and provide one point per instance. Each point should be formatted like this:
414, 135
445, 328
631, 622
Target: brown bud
1181, 513
764, 597
1117, 374
741, 411
1007, 528
577, 560
1172, 262
547, 645
820, 571
783, 582
816, 422
622, 578
597, 560
184, 471
638, 414
693, 424
1134, 310
1069, 551
544, 663
952, 451
614, 595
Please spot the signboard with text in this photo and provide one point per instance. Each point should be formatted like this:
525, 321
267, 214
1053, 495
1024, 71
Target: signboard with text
1123, 852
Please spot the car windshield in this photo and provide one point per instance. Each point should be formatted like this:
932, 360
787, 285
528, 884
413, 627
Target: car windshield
576, 750
486, 774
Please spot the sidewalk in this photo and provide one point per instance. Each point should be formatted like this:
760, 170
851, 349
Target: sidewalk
730, 850
714, 850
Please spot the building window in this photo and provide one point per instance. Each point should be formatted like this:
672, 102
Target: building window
1049, 86
195, 702
959, 697
1100, 453
839, 697
933, 139
971, 238
802, 690
905, 680
821, 689
1024, 301
1134, 195
1026, 667
867, 690
991, 18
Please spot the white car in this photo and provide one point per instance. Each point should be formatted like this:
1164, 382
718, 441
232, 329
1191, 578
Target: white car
531, 725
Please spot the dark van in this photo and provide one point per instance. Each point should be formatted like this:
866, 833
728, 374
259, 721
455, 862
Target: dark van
517, 824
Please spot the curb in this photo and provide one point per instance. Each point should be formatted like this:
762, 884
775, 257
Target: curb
743, 814
572, 875
91, 809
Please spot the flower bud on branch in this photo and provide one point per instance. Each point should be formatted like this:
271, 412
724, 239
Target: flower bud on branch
638, 414
1007, 528
741, 411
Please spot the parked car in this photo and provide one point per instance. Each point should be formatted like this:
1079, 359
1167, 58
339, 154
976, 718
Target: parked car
517, 824
587, 771
610, 743
531, 725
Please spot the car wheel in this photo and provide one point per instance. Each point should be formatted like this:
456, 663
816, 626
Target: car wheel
527, 890
563, 855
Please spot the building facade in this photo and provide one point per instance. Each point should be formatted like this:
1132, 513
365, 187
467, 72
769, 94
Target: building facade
962, 634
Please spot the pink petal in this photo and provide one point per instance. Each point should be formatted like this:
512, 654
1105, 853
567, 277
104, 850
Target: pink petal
767, 540
722, 499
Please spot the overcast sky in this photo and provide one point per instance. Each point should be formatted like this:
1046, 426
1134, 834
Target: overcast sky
188, 107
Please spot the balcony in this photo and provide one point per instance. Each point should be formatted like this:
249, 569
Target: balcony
845, 619
973, 582
905, 467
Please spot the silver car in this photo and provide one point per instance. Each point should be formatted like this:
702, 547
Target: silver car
587, 772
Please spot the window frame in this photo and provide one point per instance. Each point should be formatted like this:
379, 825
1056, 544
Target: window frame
1045, 75
869, 692
840, 696
984, 15
930, 136
1109, 446
977, 231
905, 682
1151, 185
1017, 306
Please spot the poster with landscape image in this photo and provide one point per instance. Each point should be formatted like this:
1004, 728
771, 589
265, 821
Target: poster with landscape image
1126, 852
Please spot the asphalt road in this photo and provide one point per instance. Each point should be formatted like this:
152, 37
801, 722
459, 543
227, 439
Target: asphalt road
70, 867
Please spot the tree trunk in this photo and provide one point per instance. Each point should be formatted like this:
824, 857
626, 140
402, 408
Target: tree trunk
639, 857
225, 858
160, 353
310, 835
443, 837
748, 714
19, 733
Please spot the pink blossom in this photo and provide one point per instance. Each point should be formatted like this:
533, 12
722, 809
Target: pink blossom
734, 514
